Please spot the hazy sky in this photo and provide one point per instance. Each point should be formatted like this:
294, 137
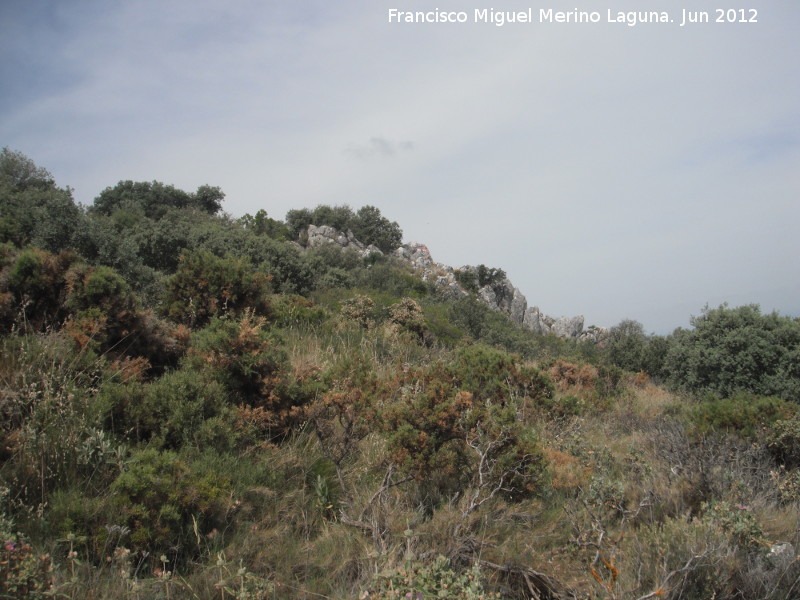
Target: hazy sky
612, 171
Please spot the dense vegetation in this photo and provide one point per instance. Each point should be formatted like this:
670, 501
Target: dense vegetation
195, 406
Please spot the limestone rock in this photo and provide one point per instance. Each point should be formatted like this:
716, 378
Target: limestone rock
568, 327
519, 304
325, 234
501, 296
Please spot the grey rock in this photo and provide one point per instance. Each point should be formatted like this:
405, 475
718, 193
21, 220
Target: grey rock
781, 555
501, 296
568, 327
519, 305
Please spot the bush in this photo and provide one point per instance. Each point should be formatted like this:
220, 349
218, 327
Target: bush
245, 358
744, 414
496, 376
737, 349
205, 286
33, 283
462, 424
24, 573
178, 409
783, 441
418, 580
368, 225
155, 198
167, 504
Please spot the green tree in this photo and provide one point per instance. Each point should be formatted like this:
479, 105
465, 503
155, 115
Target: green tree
370, 227
737, 349
155, 198
626, 344
262, 224
33, 210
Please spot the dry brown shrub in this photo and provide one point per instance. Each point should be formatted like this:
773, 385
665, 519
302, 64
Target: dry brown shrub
567, 375
641, 380
131, 369
568, 474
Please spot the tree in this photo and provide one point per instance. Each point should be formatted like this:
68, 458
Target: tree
153, 199
370, 227
262, 224
21, 173
33, 210
626, 343
367, 225
737, 349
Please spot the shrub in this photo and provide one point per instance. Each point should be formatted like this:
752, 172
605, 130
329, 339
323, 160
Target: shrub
473, 279
347, 412
742, 413
783, 441
361, 311
24, 573
167, 504
245, 357
497, 376
417, 580
738, 522
34, 285
737, 349
407, 315
471, 440
205, 286
176, 410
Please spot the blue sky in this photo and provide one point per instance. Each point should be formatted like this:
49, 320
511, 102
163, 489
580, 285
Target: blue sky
612, 171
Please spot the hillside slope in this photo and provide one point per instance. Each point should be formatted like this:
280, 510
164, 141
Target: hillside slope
195, 406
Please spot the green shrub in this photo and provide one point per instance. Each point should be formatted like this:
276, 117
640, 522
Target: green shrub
290, 310
205, 286
24, 573
189, 410
34, 285
742, 413
418, 580
737, 349
168, 504
783, 440
394, 279
491, 374
737, 521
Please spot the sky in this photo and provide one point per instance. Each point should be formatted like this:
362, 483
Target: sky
614, 171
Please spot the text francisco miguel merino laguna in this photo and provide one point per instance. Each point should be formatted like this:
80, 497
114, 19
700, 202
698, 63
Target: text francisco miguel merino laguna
548, 15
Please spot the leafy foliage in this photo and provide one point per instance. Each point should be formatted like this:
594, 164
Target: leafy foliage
739, 349
32, 209
153, 199
206, 285
367, 224
163, 500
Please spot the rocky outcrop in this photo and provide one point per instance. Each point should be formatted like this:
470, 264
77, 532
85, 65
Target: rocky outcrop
324, 234
501, 296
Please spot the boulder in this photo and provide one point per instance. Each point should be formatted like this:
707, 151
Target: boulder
568, 327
